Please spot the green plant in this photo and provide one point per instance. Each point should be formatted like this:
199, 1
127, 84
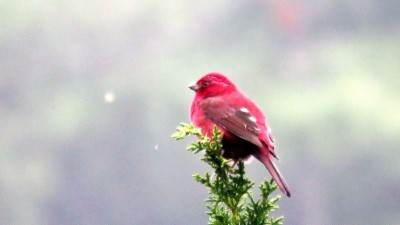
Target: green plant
230, 201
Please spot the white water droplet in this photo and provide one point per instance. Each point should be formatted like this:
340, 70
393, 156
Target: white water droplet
109, 97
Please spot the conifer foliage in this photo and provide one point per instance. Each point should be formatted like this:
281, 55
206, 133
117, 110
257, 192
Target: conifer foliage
230, 200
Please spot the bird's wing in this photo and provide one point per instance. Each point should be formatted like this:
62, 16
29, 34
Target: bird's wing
269, 141
236, 119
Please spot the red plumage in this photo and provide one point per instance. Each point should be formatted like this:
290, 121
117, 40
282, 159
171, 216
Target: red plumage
245, 132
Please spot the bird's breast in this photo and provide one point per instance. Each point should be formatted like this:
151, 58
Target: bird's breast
200, 120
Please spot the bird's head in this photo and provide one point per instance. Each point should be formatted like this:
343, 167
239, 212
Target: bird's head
213, 84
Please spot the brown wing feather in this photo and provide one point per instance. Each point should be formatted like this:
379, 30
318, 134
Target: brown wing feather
237, 120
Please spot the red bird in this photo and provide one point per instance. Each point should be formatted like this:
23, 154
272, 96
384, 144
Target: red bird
245, 132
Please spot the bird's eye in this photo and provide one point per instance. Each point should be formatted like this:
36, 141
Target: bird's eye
205, 84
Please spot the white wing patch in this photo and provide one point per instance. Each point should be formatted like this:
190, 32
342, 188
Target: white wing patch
244, 109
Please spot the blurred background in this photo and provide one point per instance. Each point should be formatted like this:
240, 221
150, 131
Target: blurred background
90, 92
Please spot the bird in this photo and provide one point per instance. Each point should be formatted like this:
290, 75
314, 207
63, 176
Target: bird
219, 102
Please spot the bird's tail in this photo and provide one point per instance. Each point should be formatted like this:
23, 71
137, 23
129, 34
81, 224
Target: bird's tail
274, 171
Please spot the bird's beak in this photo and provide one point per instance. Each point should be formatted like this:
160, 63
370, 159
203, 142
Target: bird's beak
194, 87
